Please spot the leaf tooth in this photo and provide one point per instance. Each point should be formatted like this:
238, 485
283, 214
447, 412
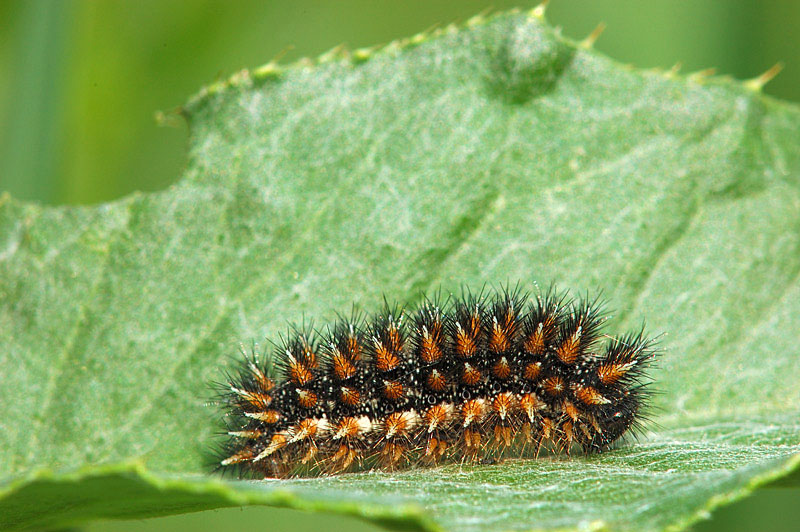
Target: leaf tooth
588, 42
758, 82
539, 11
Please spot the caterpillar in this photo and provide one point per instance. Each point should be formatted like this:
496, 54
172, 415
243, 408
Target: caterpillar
474, 378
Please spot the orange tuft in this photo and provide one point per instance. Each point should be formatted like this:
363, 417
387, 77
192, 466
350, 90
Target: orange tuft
307, 354
386, 359
435, 449
343, 368
475, 321
395, 338
499, 338
236, 458
532, 371
503, 435
436, 417
268, 416
472, 411
470, 376
432, 449
305, 429
392, 453
277, 443
436, 381
530, 404
256, 399
353, 348
466, 340
590, 396
346, 428
571, 411
394, 424
570, 348
349, 396
299, 373
568, 435
392, 390
264, 382
527, 432
346, 455
311, 452
340, 452
429, 350
472, 443
547, 428
535, 341
306, 398
503, 404
399, 424
464, 344
502, 369
554, 385
611, 373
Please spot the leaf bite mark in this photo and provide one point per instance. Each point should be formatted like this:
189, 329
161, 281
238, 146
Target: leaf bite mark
527, 62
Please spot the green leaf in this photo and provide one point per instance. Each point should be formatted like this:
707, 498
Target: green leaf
496, 152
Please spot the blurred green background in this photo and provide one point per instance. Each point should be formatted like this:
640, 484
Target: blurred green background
80, 82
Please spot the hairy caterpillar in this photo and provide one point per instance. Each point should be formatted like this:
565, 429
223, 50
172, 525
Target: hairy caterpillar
478, 377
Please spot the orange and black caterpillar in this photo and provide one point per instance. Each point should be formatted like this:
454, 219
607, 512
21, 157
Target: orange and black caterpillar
472, 378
